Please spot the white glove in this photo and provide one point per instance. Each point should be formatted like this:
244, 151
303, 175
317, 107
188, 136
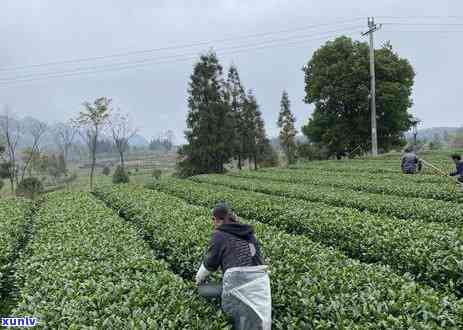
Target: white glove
202, 274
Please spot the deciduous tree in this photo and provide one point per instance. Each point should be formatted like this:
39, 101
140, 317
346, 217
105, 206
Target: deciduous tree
337, 83
122, 130
37, 129
64, 136
10, 133
92, 120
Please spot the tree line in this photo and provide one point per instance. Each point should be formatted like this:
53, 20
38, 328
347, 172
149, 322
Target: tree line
224, 120
98, 125
225, 124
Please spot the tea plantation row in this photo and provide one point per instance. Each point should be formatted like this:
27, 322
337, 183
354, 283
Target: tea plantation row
14, 217
405, 208
431, 252
86, 268
374, 166
362, 175
312, 286
394, 185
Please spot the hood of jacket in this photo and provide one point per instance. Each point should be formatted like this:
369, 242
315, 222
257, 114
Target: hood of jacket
240, 230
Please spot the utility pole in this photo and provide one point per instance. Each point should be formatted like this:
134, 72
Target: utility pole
372, 27
415, 123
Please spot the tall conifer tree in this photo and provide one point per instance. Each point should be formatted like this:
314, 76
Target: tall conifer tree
210, 123
236, 98
286, 121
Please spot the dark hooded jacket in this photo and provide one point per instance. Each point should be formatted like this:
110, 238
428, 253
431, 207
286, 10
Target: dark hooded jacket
459, 170
409, 162
233, 245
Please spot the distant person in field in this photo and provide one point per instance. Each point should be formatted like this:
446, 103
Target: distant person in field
246, 296
459, 167
410, 163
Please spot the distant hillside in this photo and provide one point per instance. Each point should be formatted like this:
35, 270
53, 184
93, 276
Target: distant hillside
429, 133
138, 141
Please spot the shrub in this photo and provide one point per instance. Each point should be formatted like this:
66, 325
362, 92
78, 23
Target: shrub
157, 174
106, 170
6, 170
1, 184
311, 151
120, 176
30, 188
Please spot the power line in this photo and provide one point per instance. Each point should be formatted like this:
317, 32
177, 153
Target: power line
182, 46
169, 57
421, 17
134, 66
423, 24
425, 31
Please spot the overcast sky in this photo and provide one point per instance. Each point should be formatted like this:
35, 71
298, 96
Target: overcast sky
154, 90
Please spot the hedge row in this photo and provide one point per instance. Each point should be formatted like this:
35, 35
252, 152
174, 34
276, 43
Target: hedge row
375, 166
312, 286
431, 252
419, 209
365, 175
14, 216
86, 268
394, 185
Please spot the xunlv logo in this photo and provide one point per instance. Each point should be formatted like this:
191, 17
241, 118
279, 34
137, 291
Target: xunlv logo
19, 321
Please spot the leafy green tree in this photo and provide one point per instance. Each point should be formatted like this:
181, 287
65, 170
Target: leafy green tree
337, 83
286, 121
210, 126
92, 120
236, 98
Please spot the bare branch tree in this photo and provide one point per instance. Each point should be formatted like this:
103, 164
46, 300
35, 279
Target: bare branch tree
37, 130
122, 131
10, 131
91, 122
64, 135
